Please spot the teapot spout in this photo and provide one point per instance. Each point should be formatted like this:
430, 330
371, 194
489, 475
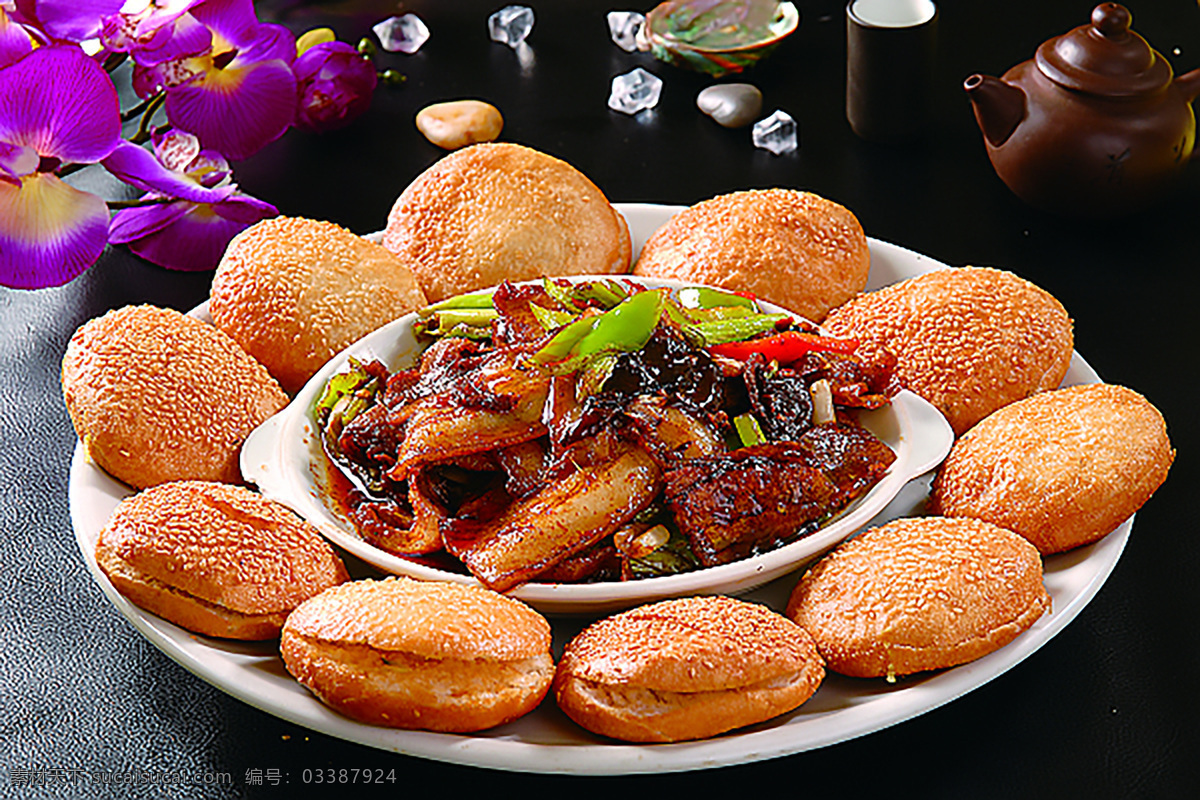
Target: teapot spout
999, 106
1189, 84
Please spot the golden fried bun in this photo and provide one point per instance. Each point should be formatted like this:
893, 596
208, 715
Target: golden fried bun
420, 654
159, 396
1062, 468
495, 212
686, 669
969, 340
792, 248
919, 594
216, 559
295, 292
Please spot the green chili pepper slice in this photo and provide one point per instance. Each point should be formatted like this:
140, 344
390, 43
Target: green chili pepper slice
748, 430
703, 297
479, 299
625, 328
737, 329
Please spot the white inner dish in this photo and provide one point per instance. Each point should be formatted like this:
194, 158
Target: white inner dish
284, 459
546, 741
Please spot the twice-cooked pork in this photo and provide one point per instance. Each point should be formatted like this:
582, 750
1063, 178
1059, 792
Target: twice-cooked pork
602, 431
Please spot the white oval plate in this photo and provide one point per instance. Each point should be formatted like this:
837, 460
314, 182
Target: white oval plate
546, 741
285, 460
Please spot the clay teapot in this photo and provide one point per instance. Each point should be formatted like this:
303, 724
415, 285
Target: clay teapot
1095, 125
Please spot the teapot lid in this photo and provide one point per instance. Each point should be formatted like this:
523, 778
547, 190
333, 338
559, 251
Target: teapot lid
1105, 57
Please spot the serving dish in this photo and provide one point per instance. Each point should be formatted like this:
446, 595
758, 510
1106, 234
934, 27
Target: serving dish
546, 741
285, 460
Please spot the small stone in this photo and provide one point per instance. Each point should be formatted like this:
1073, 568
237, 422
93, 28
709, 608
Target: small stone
511, 25
776, 133
458, 123
623, 27
634, 91
403, 34
732, 105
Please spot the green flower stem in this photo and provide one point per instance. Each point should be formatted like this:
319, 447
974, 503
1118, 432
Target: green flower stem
140, 108
152, 106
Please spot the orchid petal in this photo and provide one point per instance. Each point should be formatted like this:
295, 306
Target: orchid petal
61, 103
131, 224
17, 160
74, 20
49, 232
236, 110
197, 239
272, 42
245, 209
234, 21
138, 167
14, 41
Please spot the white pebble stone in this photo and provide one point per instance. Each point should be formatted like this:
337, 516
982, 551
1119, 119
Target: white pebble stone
458, 123
732, 105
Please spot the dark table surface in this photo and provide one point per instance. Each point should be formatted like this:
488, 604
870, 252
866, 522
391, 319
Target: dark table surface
1108, 708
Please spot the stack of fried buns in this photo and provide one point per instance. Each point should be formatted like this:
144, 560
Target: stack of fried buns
164, 402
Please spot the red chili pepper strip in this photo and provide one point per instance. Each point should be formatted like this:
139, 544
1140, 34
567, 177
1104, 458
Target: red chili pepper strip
784, 347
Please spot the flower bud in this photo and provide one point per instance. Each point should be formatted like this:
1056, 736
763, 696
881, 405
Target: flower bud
334, 82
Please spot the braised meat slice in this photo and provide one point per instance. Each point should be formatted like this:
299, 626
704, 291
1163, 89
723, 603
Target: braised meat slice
855, 383
516, 323
568, 516
754, 499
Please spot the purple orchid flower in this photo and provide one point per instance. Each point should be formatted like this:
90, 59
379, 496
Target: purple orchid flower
57, 106
240, 94
192, 209
335, 83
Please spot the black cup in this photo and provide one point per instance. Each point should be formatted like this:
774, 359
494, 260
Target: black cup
890, 48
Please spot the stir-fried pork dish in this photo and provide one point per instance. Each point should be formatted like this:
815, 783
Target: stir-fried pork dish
600, 431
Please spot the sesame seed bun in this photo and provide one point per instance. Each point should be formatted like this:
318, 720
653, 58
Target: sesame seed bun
792, 248
495, 212
214, 558
919, 594
1062, 469
295, 292
686, 669
159, 396
420, 654
969, 340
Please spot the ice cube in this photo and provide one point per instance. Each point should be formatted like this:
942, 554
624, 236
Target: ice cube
776, 133
511, 25
634, 91
403, 34
623, 26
